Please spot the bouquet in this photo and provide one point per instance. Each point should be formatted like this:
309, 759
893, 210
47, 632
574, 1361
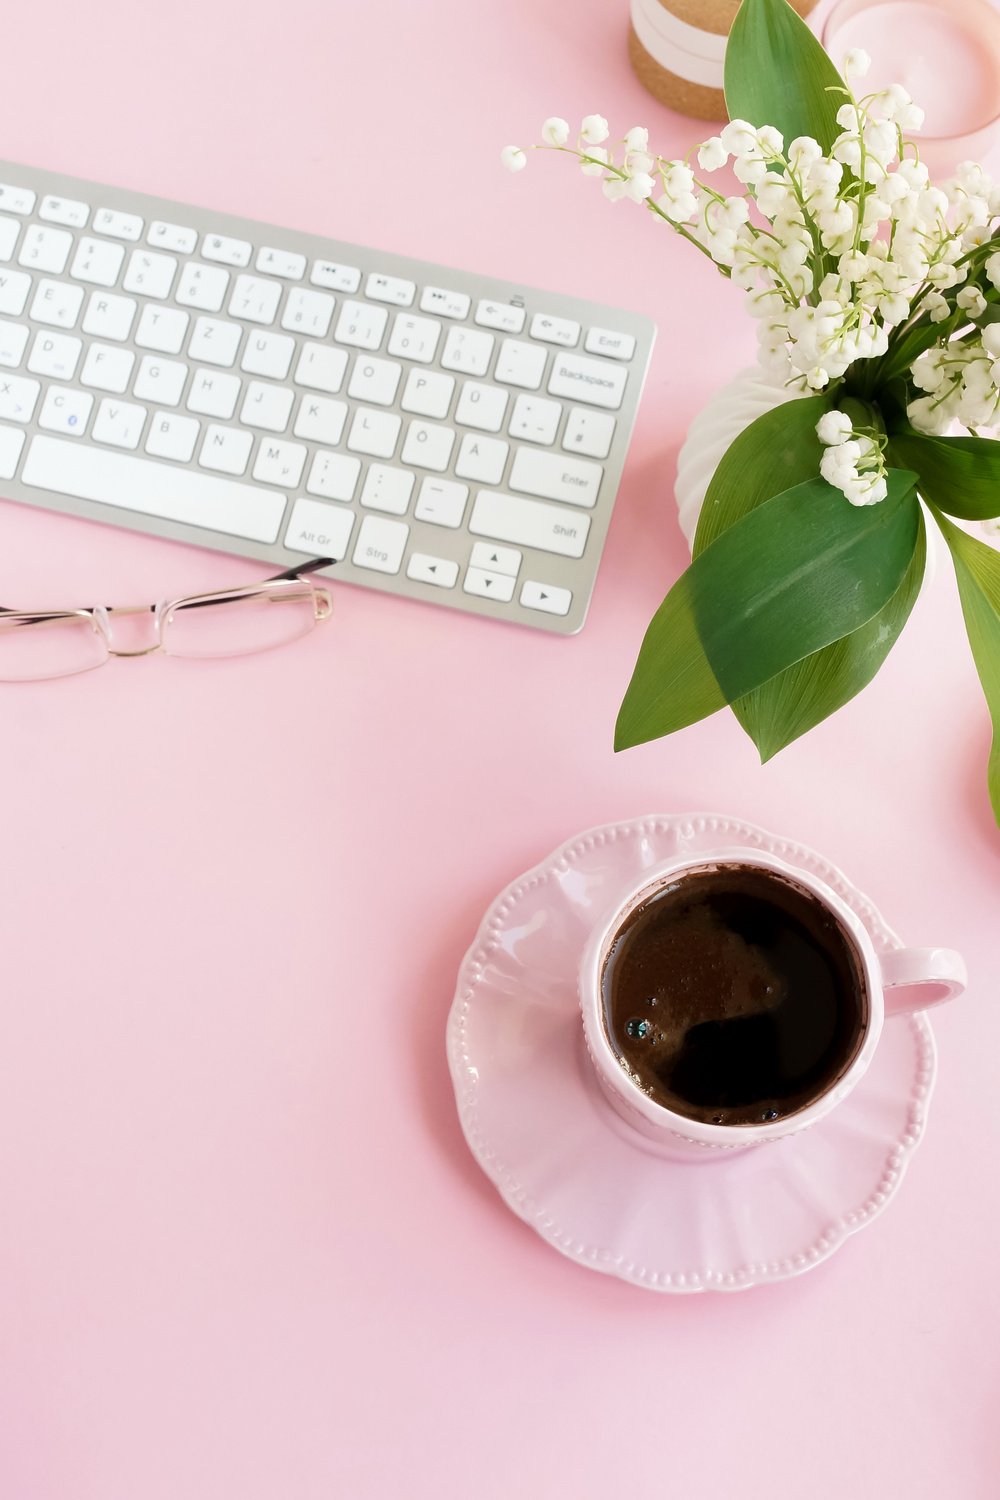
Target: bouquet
877, 299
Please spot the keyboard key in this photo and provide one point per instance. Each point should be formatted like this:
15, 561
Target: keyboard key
203, 287
154, 489
427, 393
520, 364
374, 433
285, 263
176, 238
215, 342
268, 354
255, 299
360, 325
488, 585
428, 446
118, 423
387, 489
97, 262
65, 410
13, 341
118, 225
530, 523
414, 338
17, 398
225, 449
319, 530
589, 432
108, 368
54, 355
442, 502
495, 559
56, 303
380, 545
162, 328
172, 436
481, 406
67, 211
390, 289
14, 289
500, 315
109, 316
555, 330
16, 200
606, 341
160, 380
321, 419
439, 571
467, 351
535, 420
333, 475
551, 601
446, 304
308, 312
482, 458
334, 277
280, 463
375, 380
11, 443
150, 273
267, 406
590, 380
213, 394
9, 231
321, 368
45, 249
230, 252
575, 481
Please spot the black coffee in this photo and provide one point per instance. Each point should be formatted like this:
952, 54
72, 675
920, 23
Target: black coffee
734, 996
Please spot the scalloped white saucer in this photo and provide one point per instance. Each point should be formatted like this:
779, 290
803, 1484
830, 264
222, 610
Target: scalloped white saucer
565, 1162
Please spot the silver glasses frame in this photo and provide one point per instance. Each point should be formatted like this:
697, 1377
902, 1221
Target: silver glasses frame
100, 615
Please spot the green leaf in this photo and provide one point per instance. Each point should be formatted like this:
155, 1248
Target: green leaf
960, 475
778, 450
801, 570
977, 568
798, 699
778, 74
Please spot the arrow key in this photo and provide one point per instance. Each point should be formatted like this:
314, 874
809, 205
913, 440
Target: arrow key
494, 559
439, 571
486, 585
547, 598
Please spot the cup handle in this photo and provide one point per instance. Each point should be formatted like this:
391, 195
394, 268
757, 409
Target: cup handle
917, 978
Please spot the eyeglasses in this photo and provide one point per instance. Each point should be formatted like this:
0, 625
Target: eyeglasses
230, 622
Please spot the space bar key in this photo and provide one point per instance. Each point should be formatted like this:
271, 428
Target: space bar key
154, 489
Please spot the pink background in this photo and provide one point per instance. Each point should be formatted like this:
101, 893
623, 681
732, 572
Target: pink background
244, 1251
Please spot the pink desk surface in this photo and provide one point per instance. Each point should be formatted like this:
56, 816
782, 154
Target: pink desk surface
244, 1253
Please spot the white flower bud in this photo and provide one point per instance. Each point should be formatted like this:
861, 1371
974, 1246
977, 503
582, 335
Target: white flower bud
637, 139
971, 300
639, 186
712, 154
555, 132
856, 63
513, 158
834, 428
594, 130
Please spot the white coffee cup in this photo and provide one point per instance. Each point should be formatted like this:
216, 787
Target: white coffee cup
897, 983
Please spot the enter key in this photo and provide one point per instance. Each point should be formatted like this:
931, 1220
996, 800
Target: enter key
552, 476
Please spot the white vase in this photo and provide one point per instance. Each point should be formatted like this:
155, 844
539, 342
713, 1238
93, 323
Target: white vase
715, 427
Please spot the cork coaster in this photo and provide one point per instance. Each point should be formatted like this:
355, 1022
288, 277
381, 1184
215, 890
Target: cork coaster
712, 18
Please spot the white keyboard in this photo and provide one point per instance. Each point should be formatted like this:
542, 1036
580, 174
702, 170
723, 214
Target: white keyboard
441, 435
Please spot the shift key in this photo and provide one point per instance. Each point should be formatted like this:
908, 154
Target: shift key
529, 523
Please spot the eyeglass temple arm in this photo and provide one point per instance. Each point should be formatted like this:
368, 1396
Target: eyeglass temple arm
295, 572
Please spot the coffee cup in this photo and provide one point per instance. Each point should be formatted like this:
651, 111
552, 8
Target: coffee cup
731, 962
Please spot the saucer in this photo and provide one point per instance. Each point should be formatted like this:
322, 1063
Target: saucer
565, 1162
